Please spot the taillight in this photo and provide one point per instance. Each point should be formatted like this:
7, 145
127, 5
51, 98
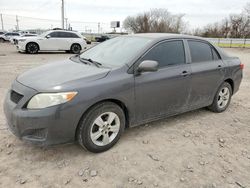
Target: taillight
242, 66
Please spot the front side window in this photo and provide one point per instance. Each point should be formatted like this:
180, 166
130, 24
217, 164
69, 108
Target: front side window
54, 34
200, 51
167, 53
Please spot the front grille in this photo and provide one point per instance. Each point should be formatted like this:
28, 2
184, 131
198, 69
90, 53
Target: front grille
15, 97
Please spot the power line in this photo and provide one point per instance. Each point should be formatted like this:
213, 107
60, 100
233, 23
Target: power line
33, 17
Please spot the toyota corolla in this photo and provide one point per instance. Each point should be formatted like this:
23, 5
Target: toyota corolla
123, 82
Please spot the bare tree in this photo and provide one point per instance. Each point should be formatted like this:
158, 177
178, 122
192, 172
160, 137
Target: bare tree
235, 26
155, 20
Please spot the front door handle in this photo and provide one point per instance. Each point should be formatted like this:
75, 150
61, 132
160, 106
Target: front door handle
185, 73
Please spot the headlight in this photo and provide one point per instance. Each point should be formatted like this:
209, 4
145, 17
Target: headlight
44, 100
22, 40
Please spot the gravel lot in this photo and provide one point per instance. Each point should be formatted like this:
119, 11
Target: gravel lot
195, 149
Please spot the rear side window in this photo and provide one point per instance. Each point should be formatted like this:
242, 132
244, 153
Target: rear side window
66, 35
200, 51
73, 35
167, 53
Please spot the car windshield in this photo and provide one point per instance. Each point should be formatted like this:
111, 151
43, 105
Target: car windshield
117, 51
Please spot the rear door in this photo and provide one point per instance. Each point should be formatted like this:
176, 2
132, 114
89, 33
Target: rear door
207, 73
166, 91
64, 40
51, 42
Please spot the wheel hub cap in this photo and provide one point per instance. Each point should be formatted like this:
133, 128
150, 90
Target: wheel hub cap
105, 128
223, 97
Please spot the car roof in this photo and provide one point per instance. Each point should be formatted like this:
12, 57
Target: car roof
165, 36
63, 31
156, 37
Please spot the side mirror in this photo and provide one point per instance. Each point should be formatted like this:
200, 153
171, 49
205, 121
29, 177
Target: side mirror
147, 66
48, 36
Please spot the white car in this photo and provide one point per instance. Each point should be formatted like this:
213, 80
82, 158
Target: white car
8, 36
14, 40
54, 40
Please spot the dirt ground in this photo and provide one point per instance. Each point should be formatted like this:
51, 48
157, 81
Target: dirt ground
195, 149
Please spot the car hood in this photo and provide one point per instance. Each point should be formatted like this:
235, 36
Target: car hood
56, 75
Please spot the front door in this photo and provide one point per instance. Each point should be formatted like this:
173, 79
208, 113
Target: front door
165, 91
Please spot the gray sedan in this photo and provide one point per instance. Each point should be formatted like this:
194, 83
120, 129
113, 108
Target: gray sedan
123, 82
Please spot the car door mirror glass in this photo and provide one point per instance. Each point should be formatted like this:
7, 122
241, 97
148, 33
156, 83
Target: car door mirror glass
48, 36
148, 66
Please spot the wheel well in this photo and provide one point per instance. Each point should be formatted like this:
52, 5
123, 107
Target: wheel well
231, 82
77, 44
117, 102
30, 43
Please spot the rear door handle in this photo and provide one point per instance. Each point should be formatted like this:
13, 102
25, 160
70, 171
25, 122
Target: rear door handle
185, 73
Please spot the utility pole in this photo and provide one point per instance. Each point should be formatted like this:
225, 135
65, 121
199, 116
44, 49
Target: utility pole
98, 27
66, 23
17, 24
62, 14
2, 21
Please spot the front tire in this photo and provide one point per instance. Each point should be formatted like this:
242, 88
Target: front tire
75, 48
101, 127
2, 40
32, 48
222, 98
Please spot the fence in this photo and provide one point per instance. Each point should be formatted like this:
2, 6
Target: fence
231, 42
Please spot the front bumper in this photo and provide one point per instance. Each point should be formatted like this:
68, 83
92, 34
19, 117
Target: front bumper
48, 126
21, 46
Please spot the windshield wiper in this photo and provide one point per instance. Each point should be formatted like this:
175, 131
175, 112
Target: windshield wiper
91, 61
78, 56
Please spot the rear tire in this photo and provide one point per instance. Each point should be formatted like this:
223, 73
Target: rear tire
75, 48
32, 48
101, 127
222, 98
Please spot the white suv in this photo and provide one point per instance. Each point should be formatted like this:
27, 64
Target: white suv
54, 40
8, 36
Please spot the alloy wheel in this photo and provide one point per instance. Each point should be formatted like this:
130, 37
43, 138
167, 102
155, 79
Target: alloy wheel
32, 48
105, 128
223, 97
76, 49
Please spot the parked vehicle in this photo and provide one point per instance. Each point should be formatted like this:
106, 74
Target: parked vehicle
8, 36
101, 38
123, 82
14, 40
54, 40
2, 32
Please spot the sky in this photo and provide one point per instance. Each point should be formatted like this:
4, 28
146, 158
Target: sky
84, 15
